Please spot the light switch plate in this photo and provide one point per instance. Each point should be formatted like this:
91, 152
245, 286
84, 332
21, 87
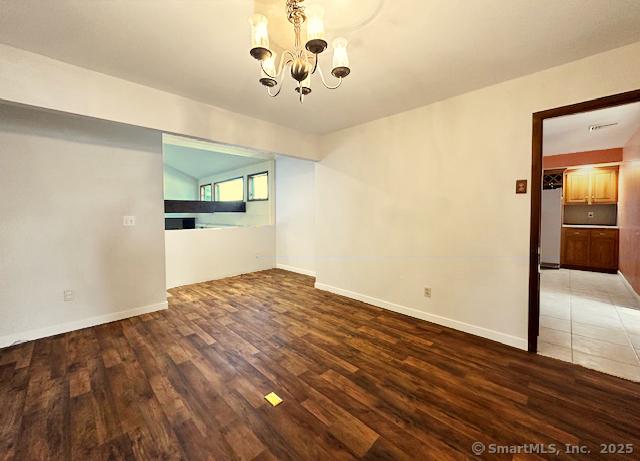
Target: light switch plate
521, 186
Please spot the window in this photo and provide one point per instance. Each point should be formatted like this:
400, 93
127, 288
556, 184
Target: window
258, 186
205, 193
230, 190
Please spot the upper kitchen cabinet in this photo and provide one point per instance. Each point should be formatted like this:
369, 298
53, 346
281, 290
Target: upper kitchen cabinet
576, 187
591, 186
604, 186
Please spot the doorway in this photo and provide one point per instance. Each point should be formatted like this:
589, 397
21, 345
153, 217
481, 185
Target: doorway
577, 188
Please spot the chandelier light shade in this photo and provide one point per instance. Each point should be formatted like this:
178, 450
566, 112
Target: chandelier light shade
268, 68
340, 58
315, 29
259, 37
301, 60
305, 86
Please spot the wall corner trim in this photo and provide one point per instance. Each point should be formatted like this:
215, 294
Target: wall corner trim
298, 270
629, 287
31, 335
513, 341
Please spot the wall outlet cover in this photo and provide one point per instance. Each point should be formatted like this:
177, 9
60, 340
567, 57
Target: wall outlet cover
68, 295
129, 221
427, 292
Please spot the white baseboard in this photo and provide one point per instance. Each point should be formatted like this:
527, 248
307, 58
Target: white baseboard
284, 267
30, 335
503, 338
629, 287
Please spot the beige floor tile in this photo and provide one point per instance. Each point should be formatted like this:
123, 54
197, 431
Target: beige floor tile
555, 323
591, 303
630, 320
633, 313
591, 296
607, 366
626, 301
554, 351
559, 312
556, 300
629, 316
592, 318
618, 353
632, 328
615, 336
559, 338
602, 320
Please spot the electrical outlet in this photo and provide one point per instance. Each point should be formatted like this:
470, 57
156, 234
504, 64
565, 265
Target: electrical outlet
427, 292
68, 295
129, 221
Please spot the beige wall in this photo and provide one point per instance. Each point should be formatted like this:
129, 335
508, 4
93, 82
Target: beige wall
66, 184
295, 215
426, 198
629, 211
199, 255
420, 199
36, 80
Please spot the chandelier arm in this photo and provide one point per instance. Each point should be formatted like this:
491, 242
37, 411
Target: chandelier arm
283, 64
267, 73
280, 84
315, 65
276, 93
324, 82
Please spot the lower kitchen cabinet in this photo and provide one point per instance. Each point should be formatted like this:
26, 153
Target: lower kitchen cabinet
590, 249
576, 247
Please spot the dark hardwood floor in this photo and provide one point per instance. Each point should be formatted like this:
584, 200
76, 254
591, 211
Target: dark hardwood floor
358, 382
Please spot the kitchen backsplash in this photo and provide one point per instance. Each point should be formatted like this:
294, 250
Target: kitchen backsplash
603, 215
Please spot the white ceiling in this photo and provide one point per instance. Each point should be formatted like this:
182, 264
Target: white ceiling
199, 163
412, 53
571, 133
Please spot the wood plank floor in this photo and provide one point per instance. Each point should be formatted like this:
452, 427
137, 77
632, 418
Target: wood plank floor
358, 382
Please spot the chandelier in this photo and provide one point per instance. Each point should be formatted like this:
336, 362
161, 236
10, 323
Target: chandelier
301, 60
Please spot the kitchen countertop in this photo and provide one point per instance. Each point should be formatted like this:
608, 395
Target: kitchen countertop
589, 226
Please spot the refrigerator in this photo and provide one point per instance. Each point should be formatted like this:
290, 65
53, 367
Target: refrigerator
551, 228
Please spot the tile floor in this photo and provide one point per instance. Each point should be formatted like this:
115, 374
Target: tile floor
590, 319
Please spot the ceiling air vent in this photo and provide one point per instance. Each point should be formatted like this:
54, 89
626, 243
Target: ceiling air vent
600, 127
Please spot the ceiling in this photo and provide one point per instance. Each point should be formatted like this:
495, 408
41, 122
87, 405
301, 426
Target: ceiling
571, 133
413, 52
199, 163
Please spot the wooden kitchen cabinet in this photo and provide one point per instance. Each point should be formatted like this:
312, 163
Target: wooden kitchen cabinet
590, 249
591, 186
604, 186
576, 247
576, 187
603, 249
